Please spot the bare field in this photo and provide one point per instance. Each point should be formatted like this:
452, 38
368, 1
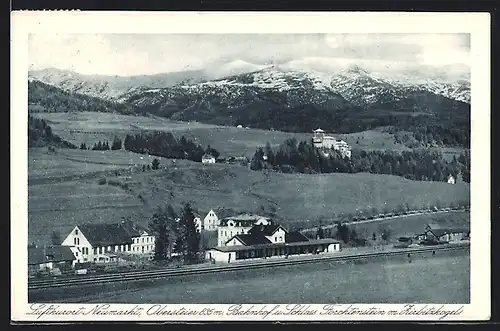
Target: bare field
64, 190
88, 128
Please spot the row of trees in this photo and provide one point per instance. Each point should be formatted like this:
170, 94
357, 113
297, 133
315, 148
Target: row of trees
52, 99
166, 145
175, 233
303, 157
104, 146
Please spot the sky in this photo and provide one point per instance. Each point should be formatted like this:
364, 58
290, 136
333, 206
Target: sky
135, 54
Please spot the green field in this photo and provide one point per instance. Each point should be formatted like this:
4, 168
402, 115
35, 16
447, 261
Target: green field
64, 191
443, 278
89, 127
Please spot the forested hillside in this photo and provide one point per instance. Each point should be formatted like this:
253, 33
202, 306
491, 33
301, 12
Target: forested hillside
47, 98
40, 135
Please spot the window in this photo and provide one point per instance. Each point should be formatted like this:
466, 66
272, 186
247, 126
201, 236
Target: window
275, 238
142, 249
76, 253
76, 232
281, 238
95, 252
74, 241
225, 233
143, 240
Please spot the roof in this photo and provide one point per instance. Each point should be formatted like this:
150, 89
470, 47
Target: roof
52, 253
207, 156
103, 234
442, 232
267, 230
244, 219
326, 241
251, 239
295, 236
318, 130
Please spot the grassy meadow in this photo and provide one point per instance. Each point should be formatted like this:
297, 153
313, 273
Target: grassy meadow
67, 187
89, 128
379, 280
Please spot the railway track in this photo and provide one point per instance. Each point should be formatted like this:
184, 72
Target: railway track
158, 274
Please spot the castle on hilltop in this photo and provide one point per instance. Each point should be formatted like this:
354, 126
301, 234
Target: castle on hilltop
325, 142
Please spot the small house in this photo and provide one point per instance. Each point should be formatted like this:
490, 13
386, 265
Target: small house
444, 235
451, 179
207, 158
48, 258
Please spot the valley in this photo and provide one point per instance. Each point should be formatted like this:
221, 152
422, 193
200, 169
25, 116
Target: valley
235, 114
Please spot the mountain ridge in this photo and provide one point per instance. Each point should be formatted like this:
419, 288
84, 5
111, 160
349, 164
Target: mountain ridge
115, 87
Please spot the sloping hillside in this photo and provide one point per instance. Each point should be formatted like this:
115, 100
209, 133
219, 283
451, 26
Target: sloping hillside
47, 98
40, 135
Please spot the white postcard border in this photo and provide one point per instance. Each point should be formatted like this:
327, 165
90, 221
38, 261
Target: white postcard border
477, 24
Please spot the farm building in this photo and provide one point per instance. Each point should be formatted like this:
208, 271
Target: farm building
207, 158
270, 240
444, 235
451, 179
51, 257
99, 242
239, 224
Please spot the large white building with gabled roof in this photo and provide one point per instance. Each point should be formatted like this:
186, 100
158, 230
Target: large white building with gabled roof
102, 241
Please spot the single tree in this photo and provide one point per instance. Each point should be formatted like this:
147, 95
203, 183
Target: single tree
117, 144
155, 164
162, 225
342, 232
320, 234
386, 234
55, 238
188, 240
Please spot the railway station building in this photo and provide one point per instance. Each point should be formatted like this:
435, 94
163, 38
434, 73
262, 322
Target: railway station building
268, 241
